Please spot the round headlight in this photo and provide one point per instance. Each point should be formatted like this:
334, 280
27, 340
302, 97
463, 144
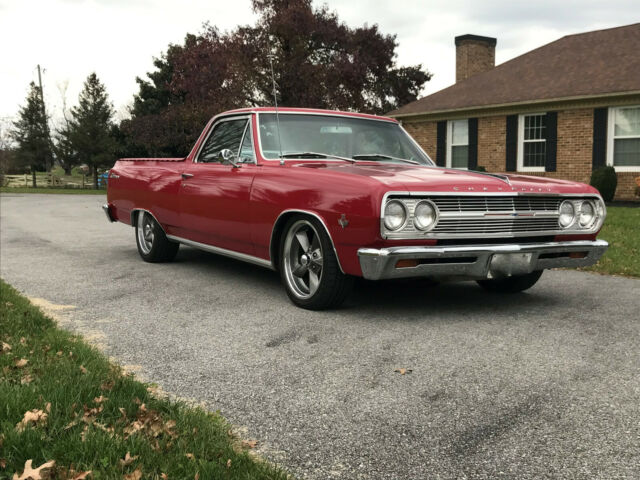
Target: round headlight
425, 215
587, 214
567, 214
395, 215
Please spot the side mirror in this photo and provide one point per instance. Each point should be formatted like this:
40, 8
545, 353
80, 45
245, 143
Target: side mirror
227, 156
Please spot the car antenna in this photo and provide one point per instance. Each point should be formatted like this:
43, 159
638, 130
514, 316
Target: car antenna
275, 101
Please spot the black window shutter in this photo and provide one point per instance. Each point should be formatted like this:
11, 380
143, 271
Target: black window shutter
552, 142
441, 144
599, 156
512, 143
473, 143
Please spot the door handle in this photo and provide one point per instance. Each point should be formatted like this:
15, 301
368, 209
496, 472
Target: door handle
187, 175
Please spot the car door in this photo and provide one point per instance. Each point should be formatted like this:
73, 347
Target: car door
214, 195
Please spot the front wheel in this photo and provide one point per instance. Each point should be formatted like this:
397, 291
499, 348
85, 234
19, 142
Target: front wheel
153, 244
512, 284
309, 267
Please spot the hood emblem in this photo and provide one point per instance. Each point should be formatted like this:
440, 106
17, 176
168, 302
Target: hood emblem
342, 221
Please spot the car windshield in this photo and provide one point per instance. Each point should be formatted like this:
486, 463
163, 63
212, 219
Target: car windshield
312, 137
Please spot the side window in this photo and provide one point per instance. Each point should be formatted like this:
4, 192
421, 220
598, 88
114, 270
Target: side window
225, 135
246, 150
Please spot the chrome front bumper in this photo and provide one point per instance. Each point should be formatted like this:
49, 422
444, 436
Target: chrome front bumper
477, 261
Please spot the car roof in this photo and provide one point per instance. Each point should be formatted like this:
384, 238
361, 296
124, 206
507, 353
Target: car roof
314, 111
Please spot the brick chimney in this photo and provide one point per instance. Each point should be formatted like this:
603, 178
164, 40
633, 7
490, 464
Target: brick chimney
474, 54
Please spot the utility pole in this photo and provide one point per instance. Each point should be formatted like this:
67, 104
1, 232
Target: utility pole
46, 124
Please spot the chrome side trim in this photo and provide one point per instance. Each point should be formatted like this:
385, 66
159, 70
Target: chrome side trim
223, 251
105, 209
477, 261
306, 212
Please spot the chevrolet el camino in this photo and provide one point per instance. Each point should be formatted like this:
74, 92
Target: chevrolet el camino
324, 197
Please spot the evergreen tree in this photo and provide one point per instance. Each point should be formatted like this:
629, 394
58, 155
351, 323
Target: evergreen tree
90, 127
31, 134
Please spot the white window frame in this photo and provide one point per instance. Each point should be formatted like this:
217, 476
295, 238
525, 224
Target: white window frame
611, 138
521, 167
450, 143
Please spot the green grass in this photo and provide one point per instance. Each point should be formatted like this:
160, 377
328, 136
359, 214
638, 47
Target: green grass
85, 432
622, 231
54, 190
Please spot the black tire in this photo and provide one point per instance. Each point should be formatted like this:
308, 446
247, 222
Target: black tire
153, 245
331, 286
513, 284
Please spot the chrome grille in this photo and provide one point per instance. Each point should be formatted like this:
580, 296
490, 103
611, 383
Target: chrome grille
489, 225
496, 204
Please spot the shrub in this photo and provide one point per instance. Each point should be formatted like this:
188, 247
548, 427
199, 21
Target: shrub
606, 181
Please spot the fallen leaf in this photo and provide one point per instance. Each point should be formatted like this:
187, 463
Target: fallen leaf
8, 304
23, 341
229, 463
48, 407
190, 456
135, 475
100, 399
3, 463
82, 369
107, 385
196, 476
81, 475
4, 347
21, 363
30, 473
26, 379
403, 371
128, 459
164, 476
59, 353
249, 443
33, 417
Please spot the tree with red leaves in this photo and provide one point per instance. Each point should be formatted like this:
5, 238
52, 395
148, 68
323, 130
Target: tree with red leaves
318, 62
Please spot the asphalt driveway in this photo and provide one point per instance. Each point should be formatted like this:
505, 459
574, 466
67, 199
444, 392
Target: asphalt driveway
540, 384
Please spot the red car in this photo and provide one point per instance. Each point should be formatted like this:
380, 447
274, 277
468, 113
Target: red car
324, 196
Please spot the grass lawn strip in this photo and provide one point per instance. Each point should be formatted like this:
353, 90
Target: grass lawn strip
53, 190
622, 230
62, 401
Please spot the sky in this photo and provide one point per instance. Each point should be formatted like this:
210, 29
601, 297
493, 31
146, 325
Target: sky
118, 39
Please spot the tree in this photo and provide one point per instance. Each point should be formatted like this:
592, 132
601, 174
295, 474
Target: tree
31, 134
318, 62
63, 149
90, 127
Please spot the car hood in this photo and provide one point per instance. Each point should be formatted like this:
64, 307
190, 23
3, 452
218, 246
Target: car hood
418, 178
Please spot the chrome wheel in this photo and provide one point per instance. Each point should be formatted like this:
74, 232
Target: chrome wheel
145, 232
303, 259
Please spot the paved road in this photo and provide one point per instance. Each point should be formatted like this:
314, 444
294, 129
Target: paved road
542, 384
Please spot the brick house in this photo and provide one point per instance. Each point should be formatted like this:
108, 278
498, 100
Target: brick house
560, 110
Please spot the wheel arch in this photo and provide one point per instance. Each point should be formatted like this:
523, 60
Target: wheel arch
278, 230
134, 217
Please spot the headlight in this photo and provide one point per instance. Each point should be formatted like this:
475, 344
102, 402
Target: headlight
425, 215
395, 215
587, 214
567, 214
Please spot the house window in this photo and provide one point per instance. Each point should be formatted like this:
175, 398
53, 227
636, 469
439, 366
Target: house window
532, 143
623, 150
458, 144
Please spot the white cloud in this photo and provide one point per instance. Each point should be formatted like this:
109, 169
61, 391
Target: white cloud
119, 38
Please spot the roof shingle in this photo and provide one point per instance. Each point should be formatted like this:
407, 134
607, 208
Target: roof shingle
585, 64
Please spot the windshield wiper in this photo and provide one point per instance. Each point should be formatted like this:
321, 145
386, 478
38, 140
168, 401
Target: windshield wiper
380, 156
315, 155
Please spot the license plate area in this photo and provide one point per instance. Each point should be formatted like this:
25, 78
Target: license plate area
506, 264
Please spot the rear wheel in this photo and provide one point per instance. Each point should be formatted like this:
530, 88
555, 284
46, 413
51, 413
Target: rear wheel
153, 244
309, 267
512, 284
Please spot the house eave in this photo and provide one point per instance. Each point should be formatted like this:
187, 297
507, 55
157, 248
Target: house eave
577, 101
